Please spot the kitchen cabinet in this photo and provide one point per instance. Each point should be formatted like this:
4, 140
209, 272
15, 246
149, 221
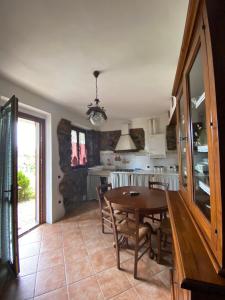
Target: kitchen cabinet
94, 180
157, 145
142, 178
196, 212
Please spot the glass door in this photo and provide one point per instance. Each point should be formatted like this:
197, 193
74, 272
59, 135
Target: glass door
199, 138
182, 141
30, 143
8, 185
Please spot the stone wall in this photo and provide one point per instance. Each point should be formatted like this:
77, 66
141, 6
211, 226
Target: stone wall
73, 185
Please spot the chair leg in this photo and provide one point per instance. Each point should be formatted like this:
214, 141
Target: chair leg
135, 260
150, 244
103, 231
158, 245
117, 254
165, 240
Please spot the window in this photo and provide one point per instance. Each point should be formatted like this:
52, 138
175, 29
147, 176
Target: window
79, 153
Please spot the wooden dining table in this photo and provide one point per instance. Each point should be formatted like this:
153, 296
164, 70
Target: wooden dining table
148, 201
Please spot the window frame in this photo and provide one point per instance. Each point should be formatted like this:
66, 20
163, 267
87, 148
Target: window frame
79, 130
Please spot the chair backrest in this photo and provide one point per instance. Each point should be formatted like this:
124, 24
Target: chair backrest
135, 219
100, 193
156, 185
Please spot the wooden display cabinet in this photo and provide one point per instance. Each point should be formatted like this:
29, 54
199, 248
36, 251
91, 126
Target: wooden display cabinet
196, 211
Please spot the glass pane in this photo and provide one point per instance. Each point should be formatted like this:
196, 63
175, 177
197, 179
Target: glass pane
183, 142
28, 174
8, 187
82, 152
74, 156
199, 137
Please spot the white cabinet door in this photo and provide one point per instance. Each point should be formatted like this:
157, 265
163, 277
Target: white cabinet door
157, 145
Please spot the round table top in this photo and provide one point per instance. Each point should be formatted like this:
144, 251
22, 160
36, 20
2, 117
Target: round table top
151, 200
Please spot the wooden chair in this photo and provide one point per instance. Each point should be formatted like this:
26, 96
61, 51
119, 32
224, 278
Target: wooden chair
158, 186
164, 229
104, 209
131, 229
163, 232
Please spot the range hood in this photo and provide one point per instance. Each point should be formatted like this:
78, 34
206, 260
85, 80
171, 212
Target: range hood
125, 143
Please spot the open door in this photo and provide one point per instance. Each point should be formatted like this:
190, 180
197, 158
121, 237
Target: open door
8, 186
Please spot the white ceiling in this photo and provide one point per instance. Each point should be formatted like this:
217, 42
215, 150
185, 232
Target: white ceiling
52, 47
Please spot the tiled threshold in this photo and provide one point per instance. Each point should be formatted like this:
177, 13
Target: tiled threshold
72, 259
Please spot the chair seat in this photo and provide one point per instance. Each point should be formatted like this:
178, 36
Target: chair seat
127, 227
106, 210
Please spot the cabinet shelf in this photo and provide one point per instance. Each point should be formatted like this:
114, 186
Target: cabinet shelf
202, 149
204, 187
198, 102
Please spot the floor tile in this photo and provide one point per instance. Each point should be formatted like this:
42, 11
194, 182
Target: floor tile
130, 294
145, 270
31, 237
21, 288
52, 228
46, 236
96, 244
76, 252
87, 289
29, 250
70, 240
164, 276
78, 270
103, 259
59, 294
50, 279
126, 254
28, 265
113, 282
69, 227
153, 288
50, 259
108, 239
50, 246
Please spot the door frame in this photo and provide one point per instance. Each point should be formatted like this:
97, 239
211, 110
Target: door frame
42, 161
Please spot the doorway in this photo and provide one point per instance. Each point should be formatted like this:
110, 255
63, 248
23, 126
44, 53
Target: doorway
31, 163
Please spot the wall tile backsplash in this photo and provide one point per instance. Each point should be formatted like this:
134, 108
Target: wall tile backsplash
136, 160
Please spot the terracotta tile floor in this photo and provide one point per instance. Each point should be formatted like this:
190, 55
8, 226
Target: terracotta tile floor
72, 259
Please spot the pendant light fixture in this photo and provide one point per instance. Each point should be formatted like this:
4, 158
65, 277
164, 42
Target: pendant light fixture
96, 114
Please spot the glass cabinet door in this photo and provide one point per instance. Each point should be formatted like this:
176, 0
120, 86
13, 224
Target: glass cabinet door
197, 106
182, 143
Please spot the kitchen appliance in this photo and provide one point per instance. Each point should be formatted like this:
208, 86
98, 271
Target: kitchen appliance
125, 143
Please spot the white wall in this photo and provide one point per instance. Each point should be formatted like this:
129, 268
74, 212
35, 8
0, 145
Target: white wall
52, 112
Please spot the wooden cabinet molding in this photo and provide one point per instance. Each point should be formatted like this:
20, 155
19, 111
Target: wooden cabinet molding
195, 271
204, 30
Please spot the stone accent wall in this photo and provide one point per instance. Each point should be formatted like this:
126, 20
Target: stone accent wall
93, 147
109, 139
73, 185
138, 136
65, 149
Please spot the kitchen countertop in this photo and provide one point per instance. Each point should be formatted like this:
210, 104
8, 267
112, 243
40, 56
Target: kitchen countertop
106, 173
